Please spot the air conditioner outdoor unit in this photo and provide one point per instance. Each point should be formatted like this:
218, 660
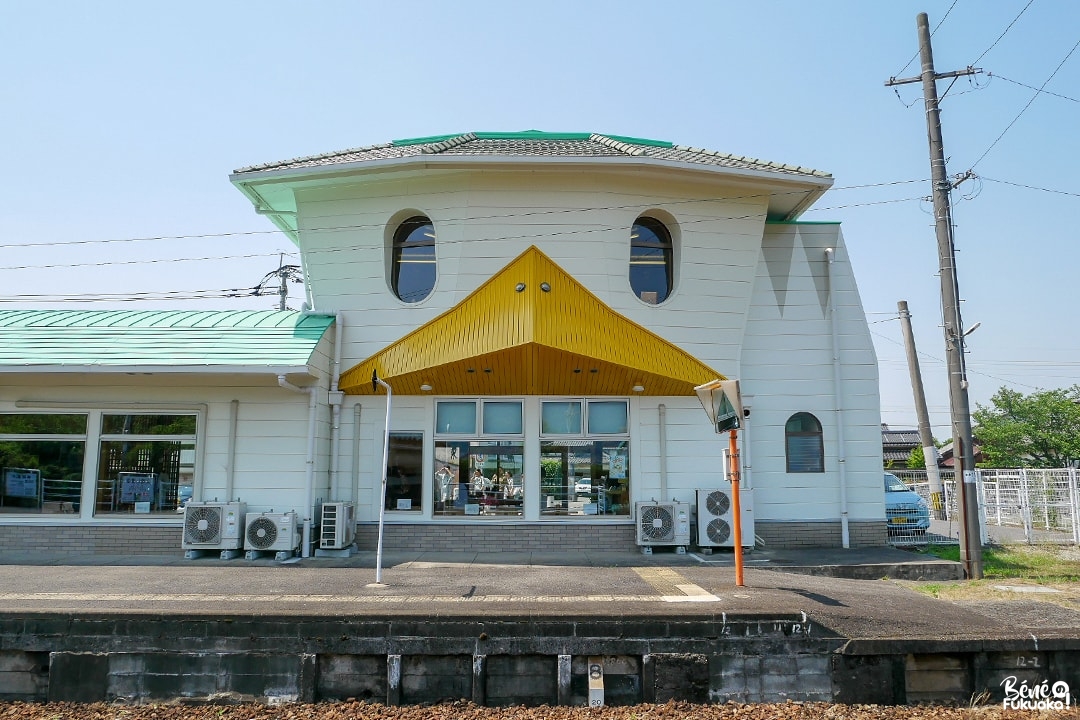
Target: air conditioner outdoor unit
271, 532
337, 528
213, 526
715, 522
662, 524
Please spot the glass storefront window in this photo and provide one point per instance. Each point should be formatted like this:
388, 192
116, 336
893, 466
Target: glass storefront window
148, 425
455, 418
560, 417
608, 417
585, 477
41, 463
146, 464
478, 477
502, 418
405, 472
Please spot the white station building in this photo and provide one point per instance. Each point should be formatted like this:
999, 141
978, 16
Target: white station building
541, 306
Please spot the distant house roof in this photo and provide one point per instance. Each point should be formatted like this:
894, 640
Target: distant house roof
896, 445
791, 189
159, 341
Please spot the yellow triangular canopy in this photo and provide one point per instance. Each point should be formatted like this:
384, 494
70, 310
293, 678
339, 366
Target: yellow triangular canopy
531, 329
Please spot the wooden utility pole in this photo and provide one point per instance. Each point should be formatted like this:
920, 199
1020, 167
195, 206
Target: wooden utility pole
963, 453
930, 455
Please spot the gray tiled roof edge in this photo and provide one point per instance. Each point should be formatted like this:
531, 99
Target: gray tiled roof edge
445, 145
767, 164
617, 144
311, 158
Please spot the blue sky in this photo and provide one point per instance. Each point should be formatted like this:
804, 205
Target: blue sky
123, 120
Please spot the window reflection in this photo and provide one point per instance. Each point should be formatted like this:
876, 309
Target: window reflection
585, 477
146, 464
478, 477
405, 472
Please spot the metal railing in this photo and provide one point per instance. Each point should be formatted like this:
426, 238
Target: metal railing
1044, 503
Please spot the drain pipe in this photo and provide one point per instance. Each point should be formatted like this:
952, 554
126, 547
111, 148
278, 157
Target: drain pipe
336, 399
230, 469
355, 484
663, 451
841, 452
309, 476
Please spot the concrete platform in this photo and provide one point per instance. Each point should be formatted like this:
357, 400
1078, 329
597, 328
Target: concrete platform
830, 624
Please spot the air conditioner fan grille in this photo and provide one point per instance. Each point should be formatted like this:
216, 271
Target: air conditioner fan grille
262, 533
718, 503
657, 523
202, 524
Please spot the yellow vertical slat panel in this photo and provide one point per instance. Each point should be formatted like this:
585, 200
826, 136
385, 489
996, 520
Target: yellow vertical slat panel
504, 341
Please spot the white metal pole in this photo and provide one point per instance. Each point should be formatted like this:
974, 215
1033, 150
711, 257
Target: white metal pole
382, 495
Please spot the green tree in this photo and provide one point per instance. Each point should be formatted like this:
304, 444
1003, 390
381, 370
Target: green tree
1037, 430
917, 459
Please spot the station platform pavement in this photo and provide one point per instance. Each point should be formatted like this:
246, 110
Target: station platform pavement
858, 593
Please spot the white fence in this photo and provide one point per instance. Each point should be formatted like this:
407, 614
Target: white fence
1039, 501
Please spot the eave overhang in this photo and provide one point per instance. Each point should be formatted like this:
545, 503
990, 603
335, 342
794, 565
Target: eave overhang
270, 191
512, 336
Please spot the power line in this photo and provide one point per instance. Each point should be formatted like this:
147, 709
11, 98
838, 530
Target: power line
908, 63
455, 221
1032, 87
1024, 109
1030, 187
1003, 33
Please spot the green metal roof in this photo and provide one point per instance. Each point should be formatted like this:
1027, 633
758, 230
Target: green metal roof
159, 340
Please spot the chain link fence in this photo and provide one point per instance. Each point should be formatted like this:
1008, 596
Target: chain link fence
1029, 504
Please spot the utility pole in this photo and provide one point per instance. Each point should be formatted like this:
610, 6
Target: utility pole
284, 273
963, 452
930, 454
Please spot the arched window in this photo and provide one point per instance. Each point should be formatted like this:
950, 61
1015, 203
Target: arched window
651, 261
412, 273
803, 444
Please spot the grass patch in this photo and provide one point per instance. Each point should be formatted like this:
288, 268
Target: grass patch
1039, 563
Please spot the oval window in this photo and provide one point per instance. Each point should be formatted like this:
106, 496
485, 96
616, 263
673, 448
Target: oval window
650, 260
413, 273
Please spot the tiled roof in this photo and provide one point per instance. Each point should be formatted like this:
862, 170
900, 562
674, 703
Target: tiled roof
158, 339
900, 437
535, 144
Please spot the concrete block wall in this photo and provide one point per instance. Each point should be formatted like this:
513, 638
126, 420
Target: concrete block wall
91, 539
826, 534
519, 537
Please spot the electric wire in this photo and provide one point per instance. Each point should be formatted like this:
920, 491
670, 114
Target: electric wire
1032, 87
1003, 33
917, 52
942, 362
1030, 187
459, 220
1024, 109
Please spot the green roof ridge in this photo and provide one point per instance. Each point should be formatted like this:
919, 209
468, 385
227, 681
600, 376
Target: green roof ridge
424, 140
641, 141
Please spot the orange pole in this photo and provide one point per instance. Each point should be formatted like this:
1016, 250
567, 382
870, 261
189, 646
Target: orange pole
736, 510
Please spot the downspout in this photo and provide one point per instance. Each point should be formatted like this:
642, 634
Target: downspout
230, 470
336, 400
663, 451
309, 476
355, 489
841, 453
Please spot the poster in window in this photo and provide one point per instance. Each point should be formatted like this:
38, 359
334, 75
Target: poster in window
136, 487
617, 465
21, 482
